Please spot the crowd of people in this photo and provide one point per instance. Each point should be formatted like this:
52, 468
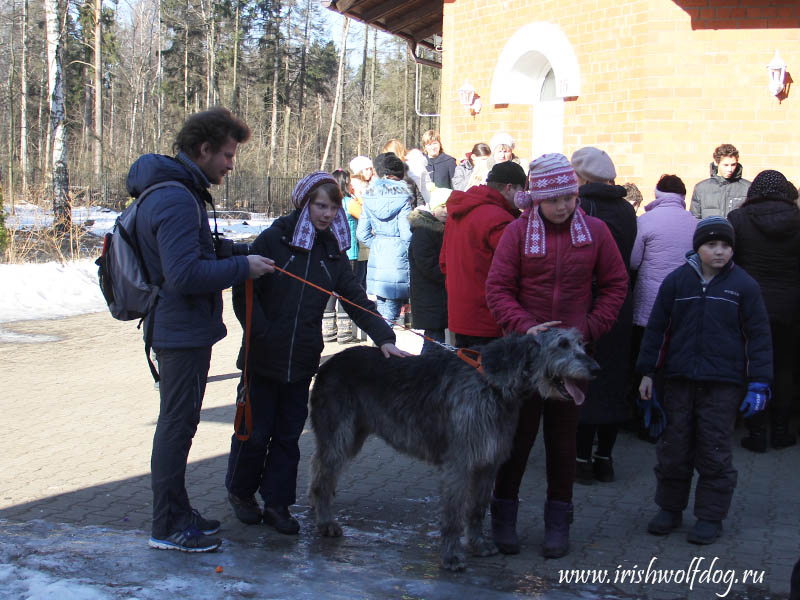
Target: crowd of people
691, 314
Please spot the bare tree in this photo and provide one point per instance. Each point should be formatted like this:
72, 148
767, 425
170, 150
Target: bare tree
98, 90
23, 104
62, 216
339, 81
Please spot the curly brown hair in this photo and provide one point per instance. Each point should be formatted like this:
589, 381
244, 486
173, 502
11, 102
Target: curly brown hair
215, 126
725, 150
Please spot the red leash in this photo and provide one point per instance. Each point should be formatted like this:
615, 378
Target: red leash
471, 357
243, 407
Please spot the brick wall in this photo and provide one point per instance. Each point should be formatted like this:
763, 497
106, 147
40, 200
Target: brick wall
662, 82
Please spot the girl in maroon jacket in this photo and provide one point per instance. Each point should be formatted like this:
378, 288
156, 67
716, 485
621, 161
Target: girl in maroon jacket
542, 275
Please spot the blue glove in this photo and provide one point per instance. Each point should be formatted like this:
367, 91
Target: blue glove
654, 418
758, 395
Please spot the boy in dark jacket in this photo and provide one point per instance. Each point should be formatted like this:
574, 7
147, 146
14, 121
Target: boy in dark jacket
286, 343
709, 336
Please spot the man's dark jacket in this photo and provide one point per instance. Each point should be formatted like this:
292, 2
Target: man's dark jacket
286, 338
767, 246
717, 196
178, 251
428, 291
717, 331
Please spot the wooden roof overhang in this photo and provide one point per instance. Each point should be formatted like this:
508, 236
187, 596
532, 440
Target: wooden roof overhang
415, 21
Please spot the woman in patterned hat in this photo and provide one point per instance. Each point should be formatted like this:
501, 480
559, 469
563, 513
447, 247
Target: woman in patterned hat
286, 343
541, 276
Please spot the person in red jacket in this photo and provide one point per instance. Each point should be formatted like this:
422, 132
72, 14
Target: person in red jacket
476, 219
543, 273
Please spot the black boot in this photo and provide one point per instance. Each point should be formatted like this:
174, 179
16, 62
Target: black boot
664, 522
504, 525
584, 474
781, 436
557, 517
603, 468
756, 440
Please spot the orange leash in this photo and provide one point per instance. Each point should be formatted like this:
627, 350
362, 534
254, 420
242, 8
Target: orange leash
244, 409
471, 357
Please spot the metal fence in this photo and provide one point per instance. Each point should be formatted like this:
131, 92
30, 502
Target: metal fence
251, 193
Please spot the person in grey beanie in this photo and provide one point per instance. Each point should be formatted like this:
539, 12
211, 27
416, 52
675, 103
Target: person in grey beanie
606, 405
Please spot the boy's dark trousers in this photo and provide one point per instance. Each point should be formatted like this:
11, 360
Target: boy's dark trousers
700, 420
183, 372
268, 460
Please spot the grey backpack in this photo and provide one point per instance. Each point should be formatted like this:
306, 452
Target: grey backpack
123, 275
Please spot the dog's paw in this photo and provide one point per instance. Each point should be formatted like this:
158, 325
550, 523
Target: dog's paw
330, 529
454, 562
483, 547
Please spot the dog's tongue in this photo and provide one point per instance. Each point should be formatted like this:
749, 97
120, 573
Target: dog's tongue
574, 391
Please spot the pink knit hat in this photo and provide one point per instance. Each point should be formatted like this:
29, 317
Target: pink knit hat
549, 176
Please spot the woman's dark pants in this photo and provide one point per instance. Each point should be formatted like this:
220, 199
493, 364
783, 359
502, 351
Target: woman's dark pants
267, 462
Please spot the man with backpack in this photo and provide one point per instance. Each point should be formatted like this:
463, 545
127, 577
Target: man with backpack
178, 253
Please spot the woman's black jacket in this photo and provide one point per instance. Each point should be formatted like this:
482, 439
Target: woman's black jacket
286, 329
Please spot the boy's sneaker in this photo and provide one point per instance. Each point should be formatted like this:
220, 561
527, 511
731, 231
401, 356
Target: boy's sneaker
188, 540
205, 526
664, 522
246, 510
705, 532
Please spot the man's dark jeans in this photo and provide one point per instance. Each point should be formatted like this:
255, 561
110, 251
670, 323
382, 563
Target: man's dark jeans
184, 372
268, 460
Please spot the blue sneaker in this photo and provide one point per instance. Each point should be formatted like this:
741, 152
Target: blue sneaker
205, 526
188, 540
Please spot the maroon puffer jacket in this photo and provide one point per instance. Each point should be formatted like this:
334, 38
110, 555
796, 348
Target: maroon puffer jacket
524, 291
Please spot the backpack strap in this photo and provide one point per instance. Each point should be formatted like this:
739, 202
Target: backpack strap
148, 333
243, 407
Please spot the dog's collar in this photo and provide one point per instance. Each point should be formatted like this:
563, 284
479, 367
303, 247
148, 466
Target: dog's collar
471, 357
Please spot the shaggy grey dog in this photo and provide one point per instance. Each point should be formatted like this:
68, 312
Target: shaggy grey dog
441, 410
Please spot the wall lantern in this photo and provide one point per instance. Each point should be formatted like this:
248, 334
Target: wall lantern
468, 98
777, 74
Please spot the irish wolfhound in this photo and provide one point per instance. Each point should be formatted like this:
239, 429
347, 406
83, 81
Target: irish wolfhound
441, 410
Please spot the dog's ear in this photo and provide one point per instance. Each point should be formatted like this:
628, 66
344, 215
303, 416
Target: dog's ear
505, 360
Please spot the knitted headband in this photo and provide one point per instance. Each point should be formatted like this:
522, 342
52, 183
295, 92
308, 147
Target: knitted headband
302, 191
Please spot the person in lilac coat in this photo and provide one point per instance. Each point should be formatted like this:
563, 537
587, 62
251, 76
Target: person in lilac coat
663, 237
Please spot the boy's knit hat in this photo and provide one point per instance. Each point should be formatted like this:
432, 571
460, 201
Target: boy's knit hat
389, 163
713, 228
593, 164
507, 172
